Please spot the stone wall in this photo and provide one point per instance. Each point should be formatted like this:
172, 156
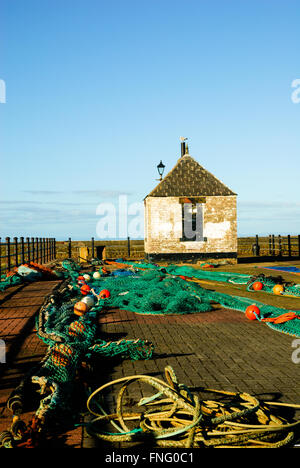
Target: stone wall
163, 227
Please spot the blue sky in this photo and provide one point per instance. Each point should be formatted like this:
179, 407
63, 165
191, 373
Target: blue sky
97, 93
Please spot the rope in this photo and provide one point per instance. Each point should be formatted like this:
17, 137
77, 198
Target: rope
173, 417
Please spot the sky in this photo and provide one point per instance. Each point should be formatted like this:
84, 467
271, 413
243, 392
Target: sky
96, 93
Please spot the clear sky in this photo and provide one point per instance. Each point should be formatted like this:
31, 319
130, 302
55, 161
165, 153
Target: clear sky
98, 92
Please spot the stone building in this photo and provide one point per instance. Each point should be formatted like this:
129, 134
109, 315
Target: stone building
190, 216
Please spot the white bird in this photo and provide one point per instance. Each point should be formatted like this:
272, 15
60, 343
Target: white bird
183, 138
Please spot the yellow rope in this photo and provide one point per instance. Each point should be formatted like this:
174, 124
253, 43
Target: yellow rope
173, 417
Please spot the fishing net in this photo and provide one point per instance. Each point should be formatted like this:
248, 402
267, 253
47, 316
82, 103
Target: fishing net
269, 284
58, 324
27, 273
172, 290
7, 281
151, 292
191, 272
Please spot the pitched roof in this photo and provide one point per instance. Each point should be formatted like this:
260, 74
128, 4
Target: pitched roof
189, 179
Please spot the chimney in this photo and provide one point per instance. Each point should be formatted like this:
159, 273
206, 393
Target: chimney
182, 148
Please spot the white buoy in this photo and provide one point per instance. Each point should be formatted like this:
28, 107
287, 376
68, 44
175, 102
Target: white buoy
89, 301
87, 277
96, 275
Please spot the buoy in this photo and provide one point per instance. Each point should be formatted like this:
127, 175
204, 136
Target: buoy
104, 294
104, 271
257, 286
80, 308
85, 289
87, 277
89, 301
96, 275
252, 312
80, 280
278, 289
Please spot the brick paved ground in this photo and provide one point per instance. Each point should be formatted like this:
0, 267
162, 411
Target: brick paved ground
219, 349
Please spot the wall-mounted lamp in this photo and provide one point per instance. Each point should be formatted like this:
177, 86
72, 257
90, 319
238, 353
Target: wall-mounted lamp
160, 168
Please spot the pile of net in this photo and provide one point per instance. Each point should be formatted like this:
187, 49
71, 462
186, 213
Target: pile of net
173, 416
273, 285
72, 338
267, 283
156, 291
151, 292
27, 273
191, 272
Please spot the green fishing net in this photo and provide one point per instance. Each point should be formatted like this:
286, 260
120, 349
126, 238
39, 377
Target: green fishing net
151, 292
7, 281
165, 291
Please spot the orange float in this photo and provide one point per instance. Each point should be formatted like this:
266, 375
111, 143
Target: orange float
80, 280
252, 312
257, 286
278, 289
104, 294
85, 289
80, 308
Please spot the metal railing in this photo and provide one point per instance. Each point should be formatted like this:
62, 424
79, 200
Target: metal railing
270, 246
16, 251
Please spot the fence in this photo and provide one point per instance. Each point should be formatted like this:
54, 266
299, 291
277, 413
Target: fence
107, 249
263, 247
14, 252
269, 246
17, 251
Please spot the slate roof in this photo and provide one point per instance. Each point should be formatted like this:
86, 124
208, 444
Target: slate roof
189, 179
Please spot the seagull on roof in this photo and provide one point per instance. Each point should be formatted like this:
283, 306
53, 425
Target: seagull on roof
183, 138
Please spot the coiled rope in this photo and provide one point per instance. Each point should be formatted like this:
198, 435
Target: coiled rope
174, 417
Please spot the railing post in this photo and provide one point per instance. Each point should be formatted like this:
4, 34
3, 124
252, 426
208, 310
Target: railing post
37, 249
270, 245
44, 250
8, 263
16, 251
47, 249
33, 250
128, 246
28, 249
22, 250
41, 250
54, 248
289, 245
93, 247
70, 248
257, 248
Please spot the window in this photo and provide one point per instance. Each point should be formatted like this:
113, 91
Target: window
192, 219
